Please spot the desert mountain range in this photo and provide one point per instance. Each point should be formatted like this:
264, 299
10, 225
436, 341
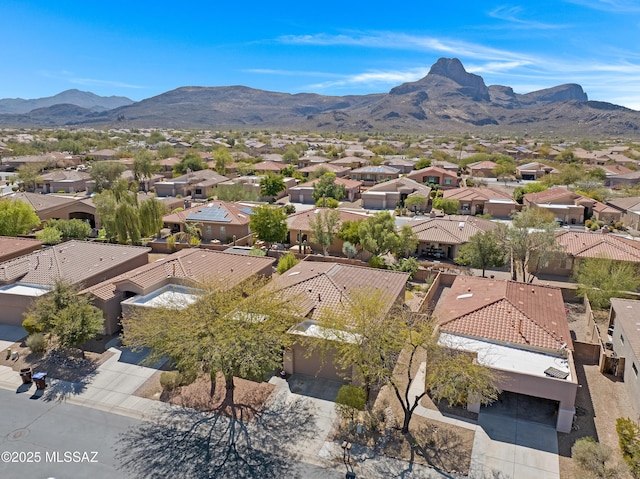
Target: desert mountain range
448, 100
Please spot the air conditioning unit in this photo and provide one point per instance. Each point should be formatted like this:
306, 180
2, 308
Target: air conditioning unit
608, 346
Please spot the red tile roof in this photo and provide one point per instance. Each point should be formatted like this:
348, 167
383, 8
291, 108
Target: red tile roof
470, 193
451, 229
550, 195
527, 315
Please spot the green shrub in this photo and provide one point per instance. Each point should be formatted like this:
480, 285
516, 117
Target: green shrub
31, 326
629, 440
327, 203
286, 262
188, 377
592, 456
350, 400
37, 343
407, 265
289, 209
377, 262
170, 380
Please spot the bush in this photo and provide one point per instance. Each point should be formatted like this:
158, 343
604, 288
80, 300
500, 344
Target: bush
286, 262
350, 400
407, 265
327, 203
629, 440
289, 209
37, 343
31, 326
377, 262
188, 377
591, 457
170, 380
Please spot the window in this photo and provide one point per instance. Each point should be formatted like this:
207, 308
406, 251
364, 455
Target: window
635, 369
447, 181
465, 207
223, 230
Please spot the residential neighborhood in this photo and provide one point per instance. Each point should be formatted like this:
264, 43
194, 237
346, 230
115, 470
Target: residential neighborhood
423, 305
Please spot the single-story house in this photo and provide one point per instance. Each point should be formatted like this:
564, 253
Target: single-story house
351, 162
625, 339
432, 175
570, 207
148, 284
11, 247
82, 263
220, 221
442, 237
303, 192
478, 201
372, 175
627, 179
197, 184
62, 181
299, 226
49, 207
314, 286
339, 171
252, 184
520, 330
533, 171
629, 209
264, 167
392, 194
482, 169
578, 245
404, 165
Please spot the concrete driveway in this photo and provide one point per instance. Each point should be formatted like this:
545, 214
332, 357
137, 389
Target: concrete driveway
9, 335
509, 443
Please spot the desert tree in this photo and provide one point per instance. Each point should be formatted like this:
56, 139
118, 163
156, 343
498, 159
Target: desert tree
378, 233
271, 185
484, 250
326, 187
16, 217
449, 206
268, 223
105, 174
324, 228
601, 279
381, 345
239, 331
29, 175
145, 164
67, 316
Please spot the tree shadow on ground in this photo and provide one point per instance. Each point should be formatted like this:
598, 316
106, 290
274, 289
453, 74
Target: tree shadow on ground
233, 440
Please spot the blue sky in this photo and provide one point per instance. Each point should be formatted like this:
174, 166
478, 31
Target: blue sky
141, 49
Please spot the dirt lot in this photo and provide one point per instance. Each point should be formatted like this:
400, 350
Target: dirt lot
600, 400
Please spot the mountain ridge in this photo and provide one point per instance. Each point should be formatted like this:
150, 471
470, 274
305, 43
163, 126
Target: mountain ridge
448, 99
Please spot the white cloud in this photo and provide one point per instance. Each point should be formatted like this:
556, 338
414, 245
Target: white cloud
512, 15
72, 78
373, 78
612, 6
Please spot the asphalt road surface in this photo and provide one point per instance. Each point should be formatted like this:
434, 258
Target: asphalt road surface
42, 440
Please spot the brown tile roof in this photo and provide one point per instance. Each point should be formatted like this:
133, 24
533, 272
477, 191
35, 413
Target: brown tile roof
527, 315
631, 203
74, 260
10, 246
599, 245
550, 195
324, 166
432, 169
348, 184
452, 229
482, 165
41, 202
318, 285
470, 193
191, 263
269, 166
230, 213
68, 175
300, 220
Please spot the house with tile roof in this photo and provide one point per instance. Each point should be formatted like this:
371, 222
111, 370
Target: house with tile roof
624, 316
300, 231
482, 169
533, 171
372, 175
392, 194
197, 184
219, 221
62, 181
626, 179
351, 162
317, 286
188, 268
570, 207
83, 263
59, 207
432, 175
578, 245
442, 237
477, 201
520, 330
264, 167
629, 209
303, 192
338, 170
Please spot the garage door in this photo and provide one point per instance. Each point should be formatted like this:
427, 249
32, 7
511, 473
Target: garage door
314, 365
